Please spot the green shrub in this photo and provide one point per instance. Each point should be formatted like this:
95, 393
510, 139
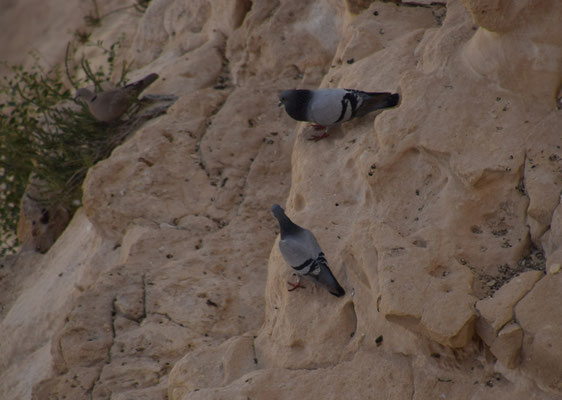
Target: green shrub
44, 132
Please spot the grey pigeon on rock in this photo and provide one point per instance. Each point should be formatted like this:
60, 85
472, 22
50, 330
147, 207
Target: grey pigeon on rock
328, 107
110, 105
301, 251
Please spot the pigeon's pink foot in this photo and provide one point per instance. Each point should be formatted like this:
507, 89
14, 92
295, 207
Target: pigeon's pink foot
318, 127
295, 285
319, 137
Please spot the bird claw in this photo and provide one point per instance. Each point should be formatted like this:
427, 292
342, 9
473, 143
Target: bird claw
318, 137
318, 127
295, 285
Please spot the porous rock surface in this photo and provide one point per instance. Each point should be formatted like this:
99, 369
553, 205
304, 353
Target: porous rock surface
441, 218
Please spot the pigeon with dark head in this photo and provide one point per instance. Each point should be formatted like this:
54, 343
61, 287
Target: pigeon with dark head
328, 107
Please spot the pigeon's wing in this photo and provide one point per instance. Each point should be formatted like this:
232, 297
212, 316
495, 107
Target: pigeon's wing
300, 250
319, 269
331, 106
324, 276
376, 101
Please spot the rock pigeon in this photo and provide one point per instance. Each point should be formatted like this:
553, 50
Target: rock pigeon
328, 107
110, 105
301, 251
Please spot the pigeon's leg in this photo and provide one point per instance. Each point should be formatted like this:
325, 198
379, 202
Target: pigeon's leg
319, 128
318, 137
295, 285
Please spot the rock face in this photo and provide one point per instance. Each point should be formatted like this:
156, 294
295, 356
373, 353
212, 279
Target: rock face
439, 217
39, 226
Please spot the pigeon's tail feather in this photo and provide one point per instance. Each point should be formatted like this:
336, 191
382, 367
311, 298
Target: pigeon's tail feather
328, 279
337, 291
142, 84
392, 100
377, 101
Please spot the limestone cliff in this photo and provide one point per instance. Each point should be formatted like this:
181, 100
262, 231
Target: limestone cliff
441, 218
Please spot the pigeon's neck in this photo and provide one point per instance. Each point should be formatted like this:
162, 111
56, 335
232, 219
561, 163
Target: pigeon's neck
287, 226
297, 108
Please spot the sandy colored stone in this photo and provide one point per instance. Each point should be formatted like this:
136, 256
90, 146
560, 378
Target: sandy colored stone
108, 336
127, 375
497, 311
554, 268
507, 346
48, 294
428, 311
172, 267
541, 321
354, 378
116, 205
542, 178
210, 367
552, 239
156, 336
50, 27
529, 29
131, 236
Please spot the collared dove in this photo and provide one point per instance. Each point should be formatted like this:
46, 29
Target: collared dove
301, 251
110, 105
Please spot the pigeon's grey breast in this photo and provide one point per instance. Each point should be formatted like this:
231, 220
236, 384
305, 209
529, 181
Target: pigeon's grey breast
296, 249
330, 106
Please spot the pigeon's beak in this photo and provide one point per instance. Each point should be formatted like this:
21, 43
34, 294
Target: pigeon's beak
280, 103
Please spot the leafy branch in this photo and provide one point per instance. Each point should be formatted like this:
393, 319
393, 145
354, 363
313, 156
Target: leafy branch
46, 135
